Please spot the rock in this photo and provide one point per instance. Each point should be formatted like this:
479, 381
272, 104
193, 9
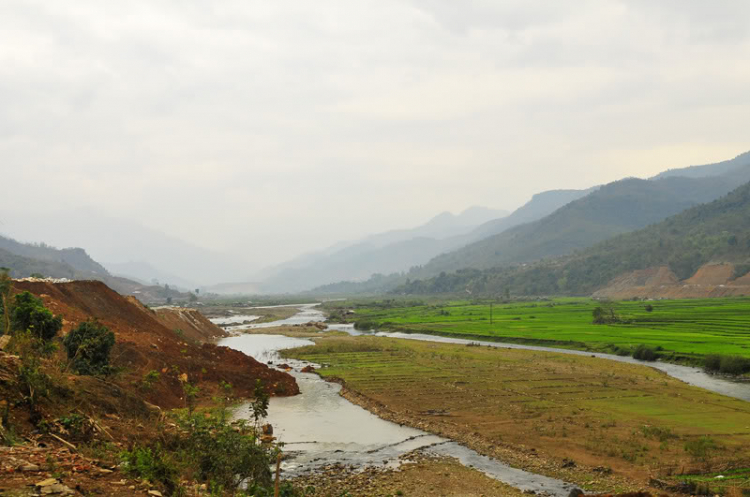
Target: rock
29, 467
308, 369
576, 492
48, 482
155, 493
56, 489
568, 463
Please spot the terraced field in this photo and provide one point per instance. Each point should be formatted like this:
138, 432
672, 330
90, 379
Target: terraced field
690, 328
540, 410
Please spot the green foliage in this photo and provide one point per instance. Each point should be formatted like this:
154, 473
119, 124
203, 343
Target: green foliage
701, 448
30, 314
149, 379
221, 453
6, 287
88, 347
35, 383
686, 329
153, 464
645, 353
726, 364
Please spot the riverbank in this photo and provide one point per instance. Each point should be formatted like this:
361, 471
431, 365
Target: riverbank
606, 426
420, 475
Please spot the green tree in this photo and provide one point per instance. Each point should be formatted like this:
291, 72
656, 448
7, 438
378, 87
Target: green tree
88, 347
30, 314
6, 287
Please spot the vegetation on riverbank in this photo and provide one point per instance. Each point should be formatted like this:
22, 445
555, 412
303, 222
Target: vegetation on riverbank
597, 423
87, 374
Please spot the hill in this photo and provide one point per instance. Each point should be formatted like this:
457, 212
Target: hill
144, 343
73, 263
540, 205
717, 169
708, 234
616, 208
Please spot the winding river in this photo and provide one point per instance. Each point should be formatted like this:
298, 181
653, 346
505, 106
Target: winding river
321, 428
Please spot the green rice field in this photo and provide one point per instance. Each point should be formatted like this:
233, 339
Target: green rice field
688, 328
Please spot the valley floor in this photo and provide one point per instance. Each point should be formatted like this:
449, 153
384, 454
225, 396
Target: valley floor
606, 426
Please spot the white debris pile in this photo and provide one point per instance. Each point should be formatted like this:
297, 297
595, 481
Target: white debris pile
45, 280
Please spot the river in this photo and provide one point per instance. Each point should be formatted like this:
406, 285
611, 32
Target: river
319, 427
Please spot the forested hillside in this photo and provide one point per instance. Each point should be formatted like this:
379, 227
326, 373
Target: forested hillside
49, 261
617, 208
715, 232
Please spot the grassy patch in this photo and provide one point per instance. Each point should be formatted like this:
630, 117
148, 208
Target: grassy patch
596, 412
683, 329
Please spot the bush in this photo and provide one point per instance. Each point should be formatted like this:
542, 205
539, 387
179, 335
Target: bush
645, 353
151, 464
88, 347
734, 365
30, 314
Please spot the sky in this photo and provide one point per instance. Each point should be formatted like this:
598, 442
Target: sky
265, 129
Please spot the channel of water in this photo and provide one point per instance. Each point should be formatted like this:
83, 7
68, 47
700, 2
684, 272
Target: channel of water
319, 427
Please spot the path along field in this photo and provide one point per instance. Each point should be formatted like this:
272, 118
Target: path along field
690, 328
536, 410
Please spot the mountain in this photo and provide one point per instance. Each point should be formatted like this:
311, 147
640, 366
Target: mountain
119, 241
540, 205
698, 238
616, 208
25, 259
388, 252
718, 169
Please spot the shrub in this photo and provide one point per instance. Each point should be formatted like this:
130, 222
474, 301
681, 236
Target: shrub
712, 362
734, 365
30, 314
151, 464
88, 347
645, 353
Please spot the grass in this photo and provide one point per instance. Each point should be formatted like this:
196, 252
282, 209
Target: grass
687, 328
630, 418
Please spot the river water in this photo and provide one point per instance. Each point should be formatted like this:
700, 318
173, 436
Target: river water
319, 427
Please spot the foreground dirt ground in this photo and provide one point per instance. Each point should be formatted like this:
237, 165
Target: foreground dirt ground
609, 427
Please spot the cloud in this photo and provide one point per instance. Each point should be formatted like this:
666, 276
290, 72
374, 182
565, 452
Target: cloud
264, 129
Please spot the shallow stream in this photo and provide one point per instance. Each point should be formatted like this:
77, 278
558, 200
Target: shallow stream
319, 427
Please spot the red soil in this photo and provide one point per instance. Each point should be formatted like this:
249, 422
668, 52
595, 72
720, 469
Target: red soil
143, 344
711, 280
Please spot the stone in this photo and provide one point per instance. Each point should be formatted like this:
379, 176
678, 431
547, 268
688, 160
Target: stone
56, 489
47, 482
576, 492
155, 493
29, 467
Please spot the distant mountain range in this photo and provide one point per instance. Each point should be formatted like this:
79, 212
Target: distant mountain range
709, 234
392, 251
587, 218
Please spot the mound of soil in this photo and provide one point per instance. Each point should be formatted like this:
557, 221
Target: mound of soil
711, 280
191, 323
145, 344
712, 274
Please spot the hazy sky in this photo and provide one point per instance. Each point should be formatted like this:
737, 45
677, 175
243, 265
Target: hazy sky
274, 127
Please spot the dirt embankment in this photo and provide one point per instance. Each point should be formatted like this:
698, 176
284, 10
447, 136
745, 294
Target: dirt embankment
711, 280
144, 344
190, 323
